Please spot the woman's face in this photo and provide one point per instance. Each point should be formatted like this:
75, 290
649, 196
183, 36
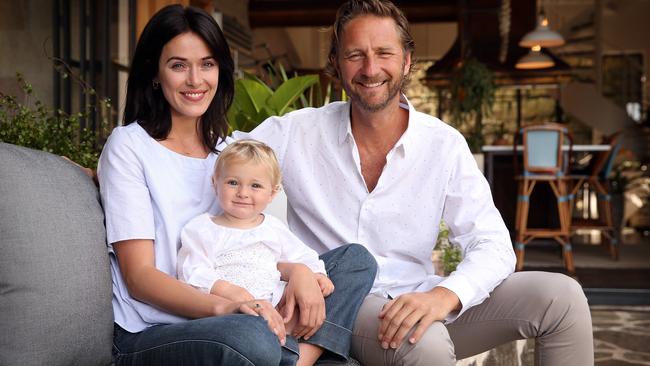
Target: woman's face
188, 75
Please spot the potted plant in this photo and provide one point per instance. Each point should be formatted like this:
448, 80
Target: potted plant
472, 96
499, 134
256, 100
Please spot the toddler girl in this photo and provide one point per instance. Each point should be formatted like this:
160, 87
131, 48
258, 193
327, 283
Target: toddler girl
236, 254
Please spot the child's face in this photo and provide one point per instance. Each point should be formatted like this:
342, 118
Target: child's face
244, 189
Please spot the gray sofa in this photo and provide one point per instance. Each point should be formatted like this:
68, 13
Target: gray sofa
55, 284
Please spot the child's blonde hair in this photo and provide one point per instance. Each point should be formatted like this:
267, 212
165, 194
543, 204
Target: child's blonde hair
245, 151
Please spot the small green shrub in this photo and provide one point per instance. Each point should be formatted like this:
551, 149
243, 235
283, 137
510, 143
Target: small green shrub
34, 125
450, 255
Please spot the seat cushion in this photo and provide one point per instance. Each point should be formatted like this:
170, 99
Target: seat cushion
55, 285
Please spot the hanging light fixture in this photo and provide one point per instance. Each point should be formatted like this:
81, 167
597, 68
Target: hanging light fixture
542, 35
535, 60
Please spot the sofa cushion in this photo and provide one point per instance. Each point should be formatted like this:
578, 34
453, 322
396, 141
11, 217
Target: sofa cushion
55, 285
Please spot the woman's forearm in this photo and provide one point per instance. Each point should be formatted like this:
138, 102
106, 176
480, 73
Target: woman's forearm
152, 286
166, 292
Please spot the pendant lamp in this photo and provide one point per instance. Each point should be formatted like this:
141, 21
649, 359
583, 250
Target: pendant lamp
535, 60
542, 35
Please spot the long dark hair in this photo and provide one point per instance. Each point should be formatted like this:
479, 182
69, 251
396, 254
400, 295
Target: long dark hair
147, 105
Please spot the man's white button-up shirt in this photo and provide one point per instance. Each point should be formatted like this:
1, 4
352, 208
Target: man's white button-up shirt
429, 175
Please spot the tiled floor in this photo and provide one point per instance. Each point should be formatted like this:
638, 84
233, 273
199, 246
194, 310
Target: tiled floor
621, 335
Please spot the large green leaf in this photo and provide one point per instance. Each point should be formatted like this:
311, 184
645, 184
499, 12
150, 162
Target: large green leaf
242, 101
258, 93
289, 91
265, 113
250, 76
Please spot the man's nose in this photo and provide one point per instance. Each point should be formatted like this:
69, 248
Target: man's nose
370, 66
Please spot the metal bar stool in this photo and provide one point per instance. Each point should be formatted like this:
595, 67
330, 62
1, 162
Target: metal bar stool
543, 162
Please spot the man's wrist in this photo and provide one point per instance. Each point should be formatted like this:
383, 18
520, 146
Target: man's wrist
450, 301
287, 270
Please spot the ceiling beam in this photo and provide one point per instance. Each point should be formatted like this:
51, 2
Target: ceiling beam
300, 13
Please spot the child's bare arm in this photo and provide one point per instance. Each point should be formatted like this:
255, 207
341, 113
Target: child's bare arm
230, 291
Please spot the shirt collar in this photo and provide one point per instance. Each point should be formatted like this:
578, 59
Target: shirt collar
345, 127
406, 141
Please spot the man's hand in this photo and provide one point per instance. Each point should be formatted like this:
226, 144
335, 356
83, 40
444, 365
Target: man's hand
415, 309
326, 285
304, 292
230, 291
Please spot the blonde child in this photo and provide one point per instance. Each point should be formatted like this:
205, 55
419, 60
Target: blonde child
236, 254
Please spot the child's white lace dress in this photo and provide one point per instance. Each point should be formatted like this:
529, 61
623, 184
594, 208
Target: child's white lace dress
245, 257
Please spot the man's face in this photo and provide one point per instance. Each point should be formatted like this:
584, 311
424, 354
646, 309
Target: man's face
371, 62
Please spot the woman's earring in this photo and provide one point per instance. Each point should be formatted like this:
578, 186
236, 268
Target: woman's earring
155, 85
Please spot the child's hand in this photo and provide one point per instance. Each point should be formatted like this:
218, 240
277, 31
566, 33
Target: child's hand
230, 291
326, 285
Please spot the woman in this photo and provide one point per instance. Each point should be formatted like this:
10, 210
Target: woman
154, 176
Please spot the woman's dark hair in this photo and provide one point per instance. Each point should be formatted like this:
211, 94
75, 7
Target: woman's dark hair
147, 105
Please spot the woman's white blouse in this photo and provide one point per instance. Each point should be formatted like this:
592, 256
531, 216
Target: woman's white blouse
149, 192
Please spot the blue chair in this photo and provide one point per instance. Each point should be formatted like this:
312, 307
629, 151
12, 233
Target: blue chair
598, 180
544, 162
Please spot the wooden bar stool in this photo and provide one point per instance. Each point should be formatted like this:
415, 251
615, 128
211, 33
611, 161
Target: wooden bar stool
598, 181
543, 162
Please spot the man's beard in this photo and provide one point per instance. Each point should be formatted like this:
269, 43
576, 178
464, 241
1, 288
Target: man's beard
394, 87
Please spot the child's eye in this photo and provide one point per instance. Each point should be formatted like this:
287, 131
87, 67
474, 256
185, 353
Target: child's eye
231, 182
257, 186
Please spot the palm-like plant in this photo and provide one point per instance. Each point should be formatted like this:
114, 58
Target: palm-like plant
256, 100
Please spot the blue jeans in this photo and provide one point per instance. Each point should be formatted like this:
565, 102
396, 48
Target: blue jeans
240, 339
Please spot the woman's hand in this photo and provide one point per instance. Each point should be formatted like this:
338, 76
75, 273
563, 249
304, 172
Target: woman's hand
302, 291
273, 318
326, 285
231, 291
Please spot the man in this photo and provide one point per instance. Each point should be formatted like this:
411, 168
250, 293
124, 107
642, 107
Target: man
376, 172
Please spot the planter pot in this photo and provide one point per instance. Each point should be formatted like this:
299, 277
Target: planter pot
480, 161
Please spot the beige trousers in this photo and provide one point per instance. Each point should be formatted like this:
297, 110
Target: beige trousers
549, 307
